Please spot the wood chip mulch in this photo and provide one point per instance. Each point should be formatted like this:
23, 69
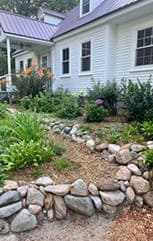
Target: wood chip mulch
133, 225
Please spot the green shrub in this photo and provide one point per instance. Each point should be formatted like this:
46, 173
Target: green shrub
68, 108
147, 128
2, 175
63, 164
137, 98
23, 154
95, 113
148, 158
25, 102
109, 92
3, 111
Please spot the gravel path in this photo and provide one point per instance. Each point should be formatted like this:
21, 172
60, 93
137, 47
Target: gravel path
75, 228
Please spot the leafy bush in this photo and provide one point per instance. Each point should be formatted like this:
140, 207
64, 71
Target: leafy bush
109, 92
137, 98
2, 111
2, 175
148, 158
63, 164
32, 81
147, 128
23, 154
25, 102
95, 113
22, 127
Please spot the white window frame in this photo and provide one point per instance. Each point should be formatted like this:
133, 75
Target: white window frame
42, 60
89, 72
134, 67
66, 75
81, 8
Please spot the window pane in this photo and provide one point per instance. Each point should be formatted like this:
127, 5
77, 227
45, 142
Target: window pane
139, 61
140, 43
86, 49
140, 53
141, 34
65, 67
147, 41
86, 64
66, 54
148, 32
21, 66
147, 60
85, 6
29, 63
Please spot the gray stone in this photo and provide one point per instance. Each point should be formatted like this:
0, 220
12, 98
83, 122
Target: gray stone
10, 237
22, 191
34, 209
130, 195
59, 207
148, 198
74, 129
61, 126
46, 121
82, 205
35, 197
44, 181
90, 144
101, 147
123, 157
86, 137
134, 155
4, 227
127, 147
122, 186
112, 198
93, 189
10, 185
113, 148
105, 155
50, 215
80, 140
97, 202
79, 188
112, 158
9, 197
109, 185
139, 184
123, 174
126, 183
139, 201
134, 169
24, 221
48, 201
138, 148
67, 130
109, 209
150, 145
146, 175
9, 210
60, 190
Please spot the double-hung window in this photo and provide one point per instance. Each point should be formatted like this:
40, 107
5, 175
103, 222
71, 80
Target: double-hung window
86, 56
21, 66
66, 61
85, 6
144, 51
29, 62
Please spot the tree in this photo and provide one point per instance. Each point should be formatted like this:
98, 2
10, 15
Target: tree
29, 7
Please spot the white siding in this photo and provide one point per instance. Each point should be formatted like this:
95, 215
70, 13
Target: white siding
125, 51
77, 82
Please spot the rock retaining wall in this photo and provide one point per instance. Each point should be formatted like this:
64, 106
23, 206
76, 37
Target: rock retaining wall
24, 205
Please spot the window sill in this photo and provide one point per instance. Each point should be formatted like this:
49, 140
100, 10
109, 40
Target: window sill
85, 74
65, 76
142, 69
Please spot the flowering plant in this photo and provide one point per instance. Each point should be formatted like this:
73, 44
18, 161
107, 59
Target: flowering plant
99, 102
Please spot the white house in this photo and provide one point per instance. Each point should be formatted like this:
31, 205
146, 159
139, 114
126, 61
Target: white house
98, 40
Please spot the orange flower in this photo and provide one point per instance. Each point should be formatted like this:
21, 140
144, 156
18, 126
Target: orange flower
40, 73
28, 70
3, 81
34, 64
50, 74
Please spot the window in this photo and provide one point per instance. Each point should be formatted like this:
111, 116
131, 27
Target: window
144, 51
29, 62
86, 56
21, 66
44, 61
85, 6
65, 61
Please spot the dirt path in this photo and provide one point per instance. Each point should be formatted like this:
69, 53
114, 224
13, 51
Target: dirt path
75, 228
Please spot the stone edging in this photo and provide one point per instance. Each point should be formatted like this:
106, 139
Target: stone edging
23, 205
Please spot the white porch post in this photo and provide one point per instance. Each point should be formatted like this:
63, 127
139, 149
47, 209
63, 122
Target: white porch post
9, 77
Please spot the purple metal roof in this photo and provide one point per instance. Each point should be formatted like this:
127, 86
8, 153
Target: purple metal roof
27, 27
73, 21
52, 13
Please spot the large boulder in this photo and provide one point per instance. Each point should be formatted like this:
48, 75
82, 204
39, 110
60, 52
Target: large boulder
35, 197
112, 198
138, 148
93, 189
24, 221
79, 188
134, 169
44, 181
130, 194
113, 148
60, 207
82, 205
9, 210
124, 156
139, 184
109, 185
9, 197
97, 202
148, 198
101, 147
60, 190
123, 174
4, 227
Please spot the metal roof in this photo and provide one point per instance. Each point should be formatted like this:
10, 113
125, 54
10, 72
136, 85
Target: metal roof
27, 27
73, 20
